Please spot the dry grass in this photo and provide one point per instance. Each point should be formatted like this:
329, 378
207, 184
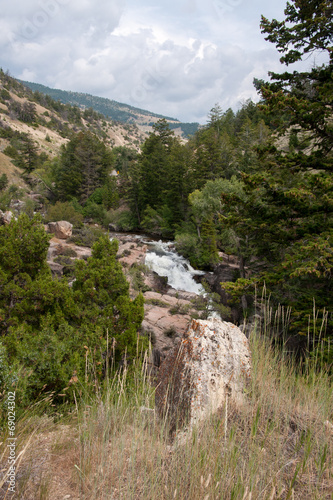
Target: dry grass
13, 173
279, 445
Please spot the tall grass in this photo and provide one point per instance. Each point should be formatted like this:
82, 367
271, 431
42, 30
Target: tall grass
278, 445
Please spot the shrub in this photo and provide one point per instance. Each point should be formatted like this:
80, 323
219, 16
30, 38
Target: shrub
66, 251
94, 211
136, 273
64, 261
187, 244
156, 302
180, 309
170, 332
11, 151
29, 207
123, 219
6, 374
3, 182
5, 95
50, 328
67, 263
86, 236
64, 211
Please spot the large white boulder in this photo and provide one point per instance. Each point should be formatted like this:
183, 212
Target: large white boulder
211, 363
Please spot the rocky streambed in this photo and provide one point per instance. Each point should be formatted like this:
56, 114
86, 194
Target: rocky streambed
171, 294
171, 287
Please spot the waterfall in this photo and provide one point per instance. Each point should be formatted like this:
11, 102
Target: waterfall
165, 261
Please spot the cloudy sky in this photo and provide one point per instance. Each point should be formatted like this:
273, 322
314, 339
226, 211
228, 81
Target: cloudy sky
174, 57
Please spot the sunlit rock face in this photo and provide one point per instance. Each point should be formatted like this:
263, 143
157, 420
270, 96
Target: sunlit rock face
61, 229
211, 363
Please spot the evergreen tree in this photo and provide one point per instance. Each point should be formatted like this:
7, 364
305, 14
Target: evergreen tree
289, 205
29, 154
51, 329
101, 293
3, 182
85, 163
215, 117
157, 187
27, 291
303, 99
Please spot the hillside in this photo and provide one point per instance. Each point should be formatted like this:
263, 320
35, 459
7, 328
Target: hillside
50, 124
120, 112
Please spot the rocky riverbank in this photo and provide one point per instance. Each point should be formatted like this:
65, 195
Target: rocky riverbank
168, 311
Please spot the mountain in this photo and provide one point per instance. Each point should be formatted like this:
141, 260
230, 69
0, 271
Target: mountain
117, 111
34, 120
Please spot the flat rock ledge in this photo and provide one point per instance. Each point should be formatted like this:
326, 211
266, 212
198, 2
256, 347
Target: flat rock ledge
209, 364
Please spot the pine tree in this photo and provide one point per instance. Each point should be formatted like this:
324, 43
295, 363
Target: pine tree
85, 163
29, 154
289, 205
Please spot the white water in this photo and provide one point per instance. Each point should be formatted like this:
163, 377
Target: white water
162, 259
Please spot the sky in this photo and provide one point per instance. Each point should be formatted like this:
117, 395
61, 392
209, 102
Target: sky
173, 57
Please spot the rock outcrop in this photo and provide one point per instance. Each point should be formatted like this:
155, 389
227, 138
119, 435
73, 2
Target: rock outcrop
61, 229
209, 364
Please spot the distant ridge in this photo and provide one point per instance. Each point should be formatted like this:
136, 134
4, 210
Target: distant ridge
117, 111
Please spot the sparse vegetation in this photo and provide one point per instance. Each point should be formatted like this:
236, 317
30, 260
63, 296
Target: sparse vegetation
180, 308
86, 236
156, 302
278, 445
137, 275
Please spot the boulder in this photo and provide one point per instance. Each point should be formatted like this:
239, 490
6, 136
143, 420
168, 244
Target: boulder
6, 217
209, 364
61, 229
113, 228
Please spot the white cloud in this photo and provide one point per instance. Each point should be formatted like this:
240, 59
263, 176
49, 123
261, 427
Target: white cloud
177, 57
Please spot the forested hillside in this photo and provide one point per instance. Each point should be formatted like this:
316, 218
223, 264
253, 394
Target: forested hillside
114, 110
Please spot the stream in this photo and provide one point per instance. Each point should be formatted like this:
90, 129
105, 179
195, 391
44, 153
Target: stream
165, 261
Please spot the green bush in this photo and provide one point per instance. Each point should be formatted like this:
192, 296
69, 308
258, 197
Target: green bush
11, 151
5, 95
51, 330
5, 131
67, 263
202, 253
136, 273
66, 251
64, 211
158, 221
187, 245
7, 376
124, 220
94, 211
29, 207
86, 236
